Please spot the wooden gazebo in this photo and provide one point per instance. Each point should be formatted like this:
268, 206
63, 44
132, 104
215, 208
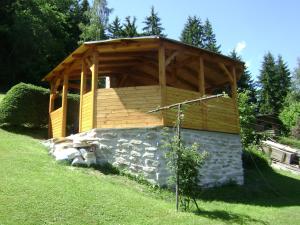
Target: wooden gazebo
142, 74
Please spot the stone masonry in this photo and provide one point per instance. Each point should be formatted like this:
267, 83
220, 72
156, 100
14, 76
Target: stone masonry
139, 151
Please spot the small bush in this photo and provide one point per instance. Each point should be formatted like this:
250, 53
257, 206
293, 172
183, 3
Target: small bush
27, 104
296, 130
290, 114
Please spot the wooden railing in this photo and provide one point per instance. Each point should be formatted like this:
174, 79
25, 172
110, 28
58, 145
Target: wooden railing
218, 114
127, 107
87, 112
56, 123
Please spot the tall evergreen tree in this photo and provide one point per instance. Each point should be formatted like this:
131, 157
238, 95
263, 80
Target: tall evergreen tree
130, 28
153, 25
275, 83
245, 82
115, 29
210, 42
284, 80
296, 78
98, 16
192, 32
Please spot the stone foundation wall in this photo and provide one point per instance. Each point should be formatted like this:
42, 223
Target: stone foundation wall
139, 151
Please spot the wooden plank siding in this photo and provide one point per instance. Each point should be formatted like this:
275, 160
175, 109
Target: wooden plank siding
219, 115
127, 107
56, 123
87, 112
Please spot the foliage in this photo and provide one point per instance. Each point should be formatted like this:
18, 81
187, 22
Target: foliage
200, 35
26, 104
184, 162
296, 78
293, 142
247, 118
290, 114
274, 83
96, 28
153, 25
295, 132
35, 35
130, 28
115, 29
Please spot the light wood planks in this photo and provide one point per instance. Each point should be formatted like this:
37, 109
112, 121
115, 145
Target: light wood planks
127, 107
221, 114
87, 112
56, 121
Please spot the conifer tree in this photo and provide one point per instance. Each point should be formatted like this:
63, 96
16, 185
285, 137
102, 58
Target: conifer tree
98, 16
153, 25
115, 29
284, 80
130, 28
210, 42
192, 32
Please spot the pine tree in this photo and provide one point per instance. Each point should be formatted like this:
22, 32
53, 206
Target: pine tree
192, 32
98, 16
130, 28
296, 78
284, 80
210, 42
115, 29
153, 25
245, 82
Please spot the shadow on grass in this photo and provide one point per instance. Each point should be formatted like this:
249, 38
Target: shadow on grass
37, 133
263, 186
228, 217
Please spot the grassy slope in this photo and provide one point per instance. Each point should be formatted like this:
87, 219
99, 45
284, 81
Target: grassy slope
36, 190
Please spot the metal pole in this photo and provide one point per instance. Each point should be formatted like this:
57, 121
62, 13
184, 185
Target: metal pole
178, 156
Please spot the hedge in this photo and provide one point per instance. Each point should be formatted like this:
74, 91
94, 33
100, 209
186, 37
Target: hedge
27, 104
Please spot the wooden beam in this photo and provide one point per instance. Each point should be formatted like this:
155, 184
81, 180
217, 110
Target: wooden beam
162, 77
171, 57
234, 97
94, 87
229, 75
51, 108
201, 78
64, 105
82, 92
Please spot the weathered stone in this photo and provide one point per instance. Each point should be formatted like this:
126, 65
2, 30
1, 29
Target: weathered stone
109, 135
151, 163
151, 149
78, 161
127, 145
148, 155
135, 154
122, 140
136, 142
146, 144
148, 169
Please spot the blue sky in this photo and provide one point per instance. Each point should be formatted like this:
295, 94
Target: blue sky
253, 27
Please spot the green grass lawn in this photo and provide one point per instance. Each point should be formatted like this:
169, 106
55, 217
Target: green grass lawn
34, 189
293, 142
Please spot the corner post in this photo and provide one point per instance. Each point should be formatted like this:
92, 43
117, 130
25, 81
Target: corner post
94, 87
51, 107
64, 105
82, 92
162, 77
234, 96
201, 88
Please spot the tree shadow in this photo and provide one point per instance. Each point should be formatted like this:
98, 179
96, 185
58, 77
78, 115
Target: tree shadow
264, 187
37, 133
228, 217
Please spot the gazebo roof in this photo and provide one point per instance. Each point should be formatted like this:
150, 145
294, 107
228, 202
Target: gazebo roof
115, 53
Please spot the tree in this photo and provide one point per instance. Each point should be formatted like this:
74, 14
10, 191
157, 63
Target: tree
192, 32
296, 78
130, 28
115, 29
210, 42
153, 25
274, 83
96, 28
245, 82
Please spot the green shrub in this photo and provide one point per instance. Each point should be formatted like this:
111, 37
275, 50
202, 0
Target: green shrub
290, 114
27, 104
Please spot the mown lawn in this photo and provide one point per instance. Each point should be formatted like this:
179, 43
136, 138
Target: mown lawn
34, 189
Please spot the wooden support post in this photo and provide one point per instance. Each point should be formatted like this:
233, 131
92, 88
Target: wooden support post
201, 87
82, 92
51, 108
64, 105
162, 77
94, 87
234, 97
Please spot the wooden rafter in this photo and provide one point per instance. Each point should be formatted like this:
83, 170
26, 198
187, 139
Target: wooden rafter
171, 57
229, 75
